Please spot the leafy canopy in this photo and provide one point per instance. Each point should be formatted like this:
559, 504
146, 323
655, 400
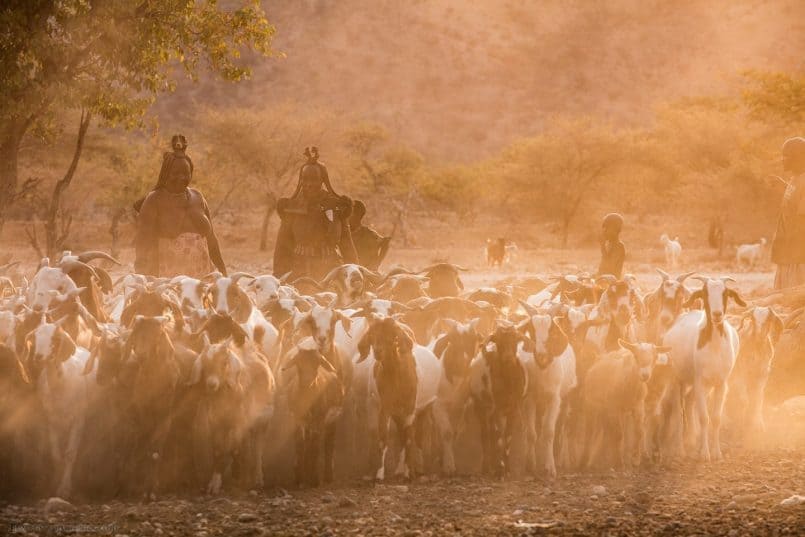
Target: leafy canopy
112, 57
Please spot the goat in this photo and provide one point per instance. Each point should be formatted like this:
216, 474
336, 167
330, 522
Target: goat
403, 287
614, 399
225, 297
498, 385
315, 398
396, 382
749, 255
152, 373
350, 283
443, 279
704, 346
673, 250
237, 404
455, 350
664, 305
496, 251
552, 376
56, 365
759, 332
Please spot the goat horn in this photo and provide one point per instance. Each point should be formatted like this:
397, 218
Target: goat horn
330, 276
726, 279
4, 268
682, 277
529, 309
68, 265
238, 275
665, 275
212, 276
702, 279
86, 257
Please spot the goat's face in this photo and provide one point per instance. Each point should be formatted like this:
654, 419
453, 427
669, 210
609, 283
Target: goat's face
388, 340
353, 281
146, 337
673, 296
216, 366
501, 346
764, 323
307, 362
109, 352
457, 348
619, 298
48, 344
646, 356
548, 338
321, 322
191, 292
715, 294
47, 281
266, 288
224, 295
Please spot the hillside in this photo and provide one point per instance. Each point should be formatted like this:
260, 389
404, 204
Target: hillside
459, 82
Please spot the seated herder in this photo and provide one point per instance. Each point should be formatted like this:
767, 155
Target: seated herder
369, 244
314, 235
174, 228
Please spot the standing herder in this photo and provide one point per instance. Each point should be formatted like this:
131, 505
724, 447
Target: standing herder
314, 235
369, 244
788, 248
174, 227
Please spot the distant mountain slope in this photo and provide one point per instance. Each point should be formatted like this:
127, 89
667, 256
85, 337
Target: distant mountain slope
459, 79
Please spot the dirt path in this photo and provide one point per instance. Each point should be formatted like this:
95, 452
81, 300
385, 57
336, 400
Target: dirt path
738, 496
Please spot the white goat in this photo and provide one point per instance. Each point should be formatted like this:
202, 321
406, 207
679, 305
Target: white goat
749, 255
704, 346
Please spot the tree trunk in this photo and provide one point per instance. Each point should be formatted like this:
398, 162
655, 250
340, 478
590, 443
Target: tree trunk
114, 231
271, 207
9, 149
54, 239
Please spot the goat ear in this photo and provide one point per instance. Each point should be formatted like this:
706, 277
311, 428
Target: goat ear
404, 341
195, 372
777, 327
441, 346
346, 321
290, 364
626, 345
235, 369
66, 347
733, 294
364, 346
696, 295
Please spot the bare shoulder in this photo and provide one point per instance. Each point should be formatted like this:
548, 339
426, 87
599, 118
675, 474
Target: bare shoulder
196, 197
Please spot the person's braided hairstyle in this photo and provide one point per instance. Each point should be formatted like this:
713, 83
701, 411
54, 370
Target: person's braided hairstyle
312, 160
179, 146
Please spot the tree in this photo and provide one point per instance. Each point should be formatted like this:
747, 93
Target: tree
555, 172
361, 142
109, 60
779, 96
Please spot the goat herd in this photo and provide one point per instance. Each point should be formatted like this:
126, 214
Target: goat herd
152, 384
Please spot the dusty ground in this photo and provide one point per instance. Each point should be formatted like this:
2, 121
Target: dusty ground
738, 496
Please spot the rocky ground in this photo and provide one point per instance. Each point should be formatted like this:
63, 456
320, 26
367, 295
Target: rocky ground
745, 494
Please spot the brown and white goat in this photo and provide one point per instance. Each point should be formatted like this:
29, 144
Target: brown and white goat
395, 376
